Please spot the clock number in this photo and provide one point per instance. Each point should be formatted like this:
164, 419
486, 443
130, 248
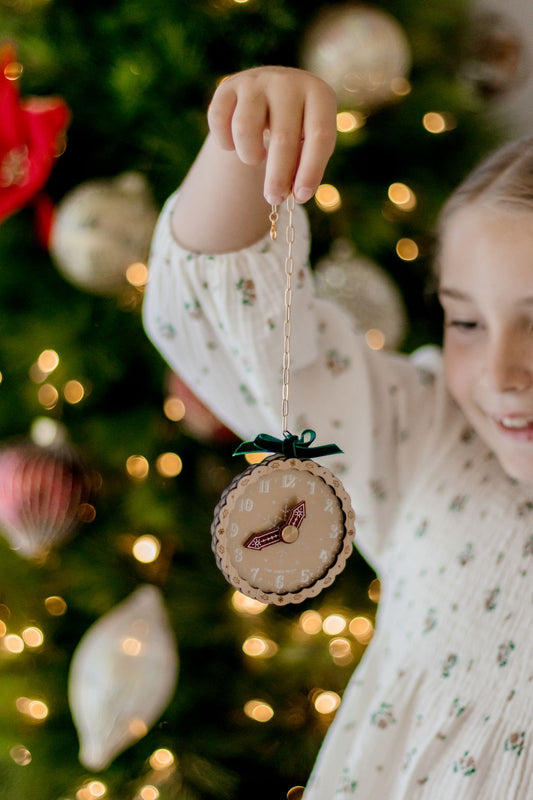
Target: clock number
238, 555
289, 481
246, 504
324, 556
280, 580
335, 530
234, 530
254, 572
306, 576
264, 487
312, 485
329, 507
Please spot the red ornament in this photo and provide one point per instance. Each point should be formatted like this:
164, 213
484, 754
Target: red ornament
30, 132
198, 420
41, 491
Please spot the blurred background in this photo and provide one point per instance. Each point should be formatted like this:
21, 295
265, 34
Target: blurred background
129, 669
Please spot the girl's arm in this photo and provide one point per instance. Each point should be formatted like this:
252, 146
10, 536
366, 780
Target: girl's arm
272, 129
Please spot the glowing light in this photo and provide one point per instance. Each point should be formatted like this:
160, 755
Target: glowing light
328, 198
258, 710
137, 728
340, 650
137, 274
375, 339
13, 70
13, 643
374, 590
73, 392
349, 121
36, 709
174, 409
169, 465
96, 789
146, 548
55, 606
161, 759
327, 702
402, 196
438, 122
131, 646
334, 624
400, 86
256, 458
296, 793
48, 361
137, 467
259, 647
361, 629
247, 605
3, 628
310, 622
407, 249
148, 792
48, 395
33, 637
20, 755
46, 431
86, 512
1, 377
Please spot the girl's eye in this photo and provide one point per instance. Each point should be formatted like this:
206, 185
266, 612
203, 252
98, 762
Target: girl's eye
463, 324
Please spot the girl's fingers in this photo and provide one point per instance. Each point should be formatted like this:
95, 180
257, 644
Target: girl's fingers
285, 142
219, 116
319, 138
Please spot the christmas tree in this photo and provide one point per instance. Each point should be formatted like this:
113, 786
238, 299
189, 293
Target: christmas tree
109, 468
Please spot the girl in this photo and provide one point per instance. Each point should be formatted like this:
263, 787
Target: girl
438, 460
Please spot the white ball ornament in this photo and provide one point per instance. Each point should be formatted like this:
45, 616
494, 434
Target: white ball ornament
361, 51
101, 228
122, 677
365, 290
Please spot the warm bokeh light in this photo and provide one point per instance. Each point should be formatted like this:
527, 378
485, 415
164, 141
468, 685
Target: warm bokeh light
149, 792
169, 465
327, 197
146, 548
137, 467
247, 605
349, 121
375, 339
13, 643
48, 395
374, 590
13, 70
439, 122
86, 512
407, 249
55, 605
310, 622
131, 646
138, 728
48, 361
327, 702
402, 196
162, 759
33, 637
259, 647
20, 755
97, 789
174, 409
400, 86
73, 392
36, 709
258, 710
3, 628
361, 629
256, 458
334, 624
137, 274
340, 649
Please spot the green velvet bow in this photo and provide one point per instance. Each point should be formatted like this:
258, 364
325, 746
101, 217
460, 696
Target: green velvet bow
290, 446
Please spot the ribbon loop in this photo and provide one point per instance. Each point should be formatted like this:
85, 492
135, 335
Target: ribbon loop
290, 446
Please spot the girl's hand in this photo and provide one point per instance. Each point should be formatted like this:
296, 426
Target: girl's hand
284, 115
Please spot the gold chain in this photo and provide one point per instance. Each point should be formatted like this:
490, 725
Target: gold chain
289, 269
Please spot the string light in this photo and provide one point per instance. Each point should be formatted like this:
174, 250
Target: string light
20, 755
146, 548
375, 339
137, 728
402, 196
327, 197
132, 646
247, 605
340, 650
361, 629
310, 622
36, 709
137, 274
327, 702
161, 759
3, 628
13, 644
137, 467
48, 396
439, 122
407, 249
174, 409
259, 647
48, 361
400, 86
258, 710
55, 606
169, 465
349, 121
86, 512
33, 637
334, 624
149, 792
73, 392
374, 590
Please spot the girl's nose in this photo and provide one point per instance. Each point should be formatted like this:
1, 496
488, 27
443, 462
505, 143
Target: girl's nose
508, 365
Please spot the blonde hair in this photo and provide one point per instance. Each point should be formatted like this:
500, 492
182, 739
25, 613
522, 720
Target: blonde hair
503, 179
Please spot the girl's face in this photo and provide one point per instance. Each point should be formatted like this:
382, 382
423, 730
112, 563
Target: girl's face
486, 290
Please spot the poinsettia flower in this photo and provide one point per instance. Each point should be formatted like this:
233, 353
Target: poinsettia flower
30, 133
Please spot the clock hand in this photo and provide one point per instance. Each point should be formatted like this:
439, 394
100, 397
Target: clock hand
286, 531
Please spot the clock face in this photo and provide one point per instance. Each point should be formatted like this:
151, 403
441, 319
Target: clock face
283, 530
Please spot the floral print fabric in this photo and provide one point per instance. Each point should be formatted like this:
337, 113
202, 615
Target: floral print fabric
441, 706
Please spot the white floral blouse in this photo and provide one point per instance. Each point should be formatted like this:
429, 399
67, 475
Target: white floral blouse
441, 707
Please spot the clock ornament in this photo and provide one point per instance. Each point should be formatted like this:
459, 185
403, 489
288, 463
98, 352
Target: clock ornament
284, 528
